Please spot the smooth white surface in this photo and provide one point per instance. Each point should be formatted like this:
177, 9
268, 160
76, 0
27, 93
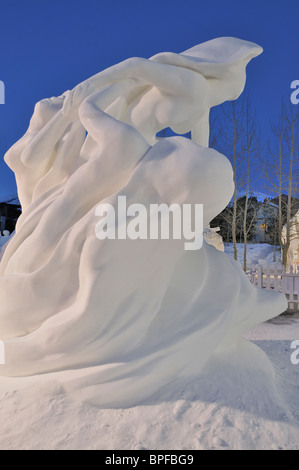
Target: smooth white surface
119, 320
213, 238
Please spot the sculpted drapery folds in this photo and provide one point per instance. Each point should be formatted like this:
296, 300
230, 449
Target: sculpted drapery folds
123, 318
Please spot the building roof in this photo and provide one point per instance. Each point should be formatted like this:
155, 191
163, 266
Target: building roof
10, 199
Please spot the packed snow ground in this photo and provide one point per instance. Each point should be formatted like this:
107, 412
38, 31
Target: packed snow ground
240, 401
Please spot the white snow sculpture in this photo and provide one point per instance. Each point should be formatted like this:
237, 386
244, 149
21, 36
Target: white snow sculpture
213, 238
119, 319
293, 251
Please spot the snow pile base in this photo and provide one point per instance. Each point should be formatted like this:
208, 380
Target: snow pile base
246, 399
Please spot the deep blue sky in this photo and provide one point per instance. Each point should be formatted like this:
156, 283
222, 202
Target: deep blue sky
49, 46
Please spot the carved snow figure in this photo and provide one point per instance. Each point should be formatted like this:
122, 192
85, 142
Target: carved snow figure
119, 319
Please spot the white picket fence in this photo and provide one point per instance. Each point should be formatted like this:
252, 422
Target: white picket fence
278, 280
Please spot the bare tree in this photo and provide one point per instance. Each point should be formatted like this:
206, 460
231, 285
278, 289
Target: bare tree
251, 149
291, 137
280, 168
227, 140
238, 139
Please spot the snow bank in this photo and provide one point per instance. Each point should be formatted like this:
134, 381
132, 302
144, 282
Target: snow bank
3, 240
238, 402
257, 253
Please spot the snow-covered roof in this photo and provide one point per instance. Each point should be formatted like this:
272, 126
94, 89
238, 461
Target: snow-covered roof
259, 196
10, 198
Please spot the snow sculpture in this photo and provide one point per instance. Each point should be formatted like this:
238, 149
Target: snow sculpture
119, 319
293, 251
213, 238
